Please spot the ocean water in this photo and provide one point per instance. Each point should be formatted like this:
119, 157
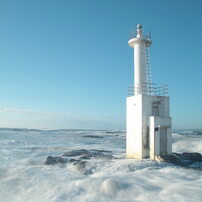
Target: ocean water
24, 176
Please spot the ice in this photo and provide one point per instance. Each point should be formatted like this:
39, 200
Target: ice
99, 172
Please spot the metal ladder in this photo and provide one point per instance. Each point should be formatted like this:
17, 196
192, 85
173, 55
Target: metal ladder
148, 66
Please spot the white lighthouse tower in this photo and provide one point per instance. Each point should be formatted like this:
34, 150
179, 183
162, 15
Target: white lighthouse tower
148, 127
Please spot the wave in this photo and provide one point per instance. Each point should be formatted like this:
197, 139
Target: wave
104, 176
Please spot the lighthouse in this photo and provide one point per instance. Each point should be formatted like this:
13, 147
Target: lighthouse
148, 121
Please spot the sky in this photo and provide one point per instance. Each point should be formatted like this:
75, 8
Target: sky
67, 63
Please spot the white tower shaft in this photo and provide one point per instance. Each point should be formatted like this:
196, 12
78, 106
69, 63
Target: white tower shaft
140, 73
139, 43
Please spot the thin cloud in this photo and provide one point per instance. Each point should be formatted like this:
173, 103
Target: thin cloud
68, 115
29, 111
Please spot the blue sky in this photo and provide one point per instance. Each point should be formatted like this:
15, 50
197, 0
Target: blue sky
67, 64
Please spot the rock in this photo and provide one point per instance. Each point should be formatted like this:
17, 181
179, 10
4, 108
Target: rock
80, 165
173, 158
188, 160
85, 157
83, 168
72, 160
54, 160
75, 153
93, 136
192, 156
87, 154
78, 158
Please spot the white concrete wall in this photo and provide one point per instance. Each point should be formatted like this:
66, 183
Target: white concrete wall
140, 127
146, 112
134, 127
140, 72
167, 106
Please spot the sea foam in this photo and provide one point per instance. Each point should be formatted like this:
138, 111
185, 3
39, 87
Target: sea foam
24, 176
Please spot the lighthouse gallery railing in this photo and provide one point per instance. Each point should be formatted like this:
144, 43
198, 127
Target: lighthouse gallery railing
148, 89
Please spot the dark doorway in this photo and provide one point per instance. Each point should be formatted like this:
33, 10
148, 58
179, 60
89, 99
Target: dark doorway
163, 140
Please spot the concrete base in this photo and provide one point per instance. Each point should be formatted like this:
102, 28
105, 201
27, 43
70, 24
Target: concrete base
146, 113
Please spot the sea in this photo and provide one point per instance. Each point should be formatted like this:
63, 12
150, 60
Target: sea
93, 169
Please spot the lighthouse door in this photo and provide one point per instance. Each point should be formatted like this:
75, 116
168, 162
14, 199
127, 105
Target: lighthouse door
163, 140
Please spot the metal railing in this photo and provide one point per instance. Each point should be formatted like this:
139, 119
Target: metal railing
148, 89
146, 38
133, 34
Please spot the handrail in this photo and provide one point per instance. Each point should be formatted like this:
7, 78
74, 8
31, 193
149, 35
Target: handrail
148, 89
133, 34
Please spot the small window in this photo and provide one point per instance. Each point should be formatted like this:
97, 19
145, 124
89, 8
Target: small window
155, 109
